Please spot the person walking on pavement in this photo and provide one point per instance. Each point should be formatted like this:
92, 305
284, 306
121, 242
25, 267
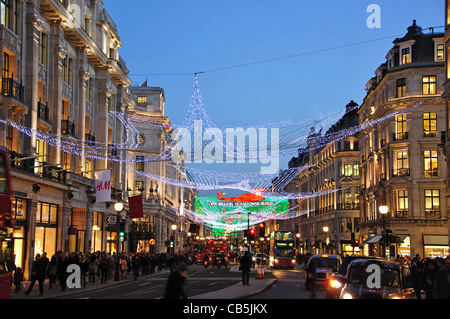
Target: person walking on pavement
18, 279
177, 278
311, 269
62, 269
245, 264
442, 281
37, 274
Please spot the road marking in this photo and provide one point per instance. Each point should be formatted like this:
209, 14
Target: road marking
213, 283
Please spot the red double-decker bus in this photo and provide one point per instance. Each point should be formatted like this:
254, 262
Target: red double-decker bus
217, 245
6, 224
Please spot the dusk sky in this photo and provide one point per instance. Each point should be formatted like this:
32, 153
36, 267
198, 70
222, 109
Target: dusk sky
321, 53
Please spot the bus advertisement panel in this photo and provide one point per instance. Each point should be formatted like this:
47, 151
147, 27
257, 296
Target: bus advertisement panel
282, 249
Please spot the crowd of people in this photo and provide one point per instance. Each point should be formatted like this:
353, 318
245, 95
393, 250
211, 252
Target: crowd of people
95, 266
431, 276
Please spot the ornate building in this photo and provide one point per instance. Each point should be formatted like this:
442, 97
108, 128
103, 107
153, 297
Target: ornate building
402, 165
326, 222
64, 88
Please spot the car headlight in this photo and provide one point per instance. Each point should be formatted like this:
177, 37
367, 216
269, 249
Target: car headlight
347, 296
254, 259
293, 261
335, 284
276, 260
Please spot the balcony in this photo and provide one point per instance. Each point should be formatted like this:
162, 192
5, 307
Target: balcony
400, 136
430, 134
348, 206
12, 88
432, 214
68, 127
397, 172
43, 111
401, 213
90, 139
431, 173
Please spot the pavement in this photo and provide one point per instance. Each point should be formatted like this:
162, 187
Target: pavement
236, 291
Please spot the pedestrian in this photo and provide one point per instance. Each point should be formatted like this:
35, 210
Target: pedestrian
416, 278
93, 268
37, 274
103, 268
442, 281
51, 271
311, 270
429, 273
18, 279
136, 266
84, 267
123, 268
177, 278
62, 270
245, 264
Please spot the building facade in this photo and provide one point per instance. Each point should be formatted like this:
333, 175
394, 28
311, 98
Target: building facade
402, 163
327, 220
446, 96
64, 88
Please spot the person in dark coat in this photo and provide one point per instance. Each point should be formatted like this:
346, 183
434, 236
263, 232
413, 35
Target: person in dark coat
62, 269
245, 264
311, 271
37, 274
177, 278
442, 281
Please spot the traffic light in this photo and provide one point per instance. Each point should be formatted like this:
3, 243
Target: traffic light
171, 243
123, 236
262, 230
251, 235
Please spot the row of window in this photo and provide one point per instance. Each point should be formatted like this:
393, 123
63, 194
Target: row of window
429, 86
430, 161
431, 200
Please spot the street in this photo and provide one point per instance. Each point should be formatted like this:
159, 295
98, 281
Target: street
200, 281
290, 285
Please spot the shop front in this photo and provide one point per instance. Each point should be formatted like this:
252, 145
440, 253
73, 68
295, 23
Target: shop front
435, 246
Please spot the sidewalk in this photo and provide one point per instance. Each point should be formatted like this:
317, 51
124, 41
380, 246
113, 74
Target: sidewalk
236, 291
90, 286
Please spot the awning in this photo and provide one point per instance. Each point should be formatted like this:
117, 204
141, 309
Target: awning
374, 240
435, 240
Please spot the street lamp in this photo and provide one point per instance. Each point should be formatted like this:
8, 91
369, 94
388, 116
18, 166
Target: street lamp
383, 211
118, 207
325, 230
174, 227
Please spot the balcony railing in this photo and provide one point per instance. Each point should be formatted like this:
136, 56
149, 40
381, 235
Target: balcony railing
400, 136
90, 139
347, 206
13, 89
432, 214
430, 133
68, 127
431, 173
401, 213
43, 111
400, 172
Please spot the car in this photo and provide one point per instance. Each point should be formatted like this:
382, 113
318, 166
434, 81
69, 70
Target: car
338, 279
259, 258
326, 266
378, 279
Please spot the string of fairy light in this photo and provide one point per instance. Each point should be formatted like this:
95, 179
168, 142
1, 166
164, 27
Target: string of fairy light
296, 137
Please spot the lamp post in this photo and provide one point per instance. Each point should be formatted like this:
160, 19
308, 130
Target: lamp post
383, 211
118, 207
325, 230
174, 227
